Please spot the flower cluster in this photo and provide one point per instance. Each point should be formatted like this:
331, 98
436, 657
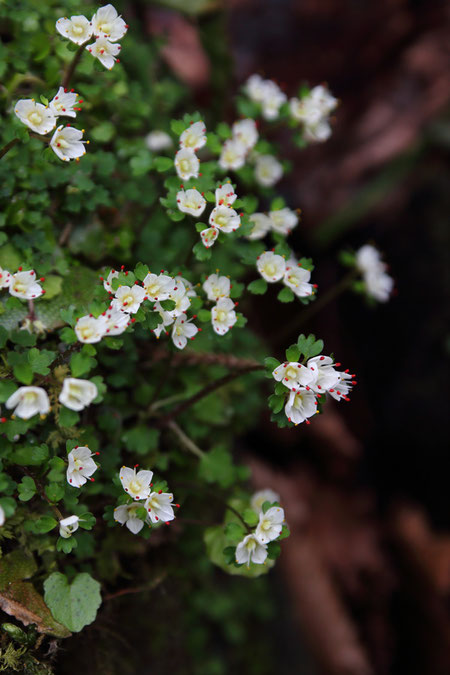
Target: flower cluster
273, 267
154, 505
187, 164
378, 284
106, 26
254, 546
22, 284
235, 149
313, 111
75, 394
281, 221
267, 94
223, 315
223, 218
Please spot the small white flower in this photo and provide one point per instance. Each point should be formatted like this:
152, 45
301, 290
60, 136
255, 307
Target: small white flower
128, 298
283, 220
159, 507
181, 300
106, 22
29, 401
158, 287
66, 143
223, 316
368, 259
324, 374
249, 550
318, 133
343, 387
268, 170
81, 466
270, 525
225, 195
297, 279
190, 290
5, 278
183, 330
24, 285
246, 132
273, 99
209, 236
191, 201
305, 110
300, 405
379, 285
187, 163
262, 496
158, 140
293, 375
233, 154
2, 516
136, 485
313, 111
126, 515
255, 88
194, 137
107, 283
78, 29
167, 320
88, 329
217, 287
261, 226
116, 321
38, 117
63, 103
77, 394
225, 219
271, 266
323, 98
67, 526
105, 51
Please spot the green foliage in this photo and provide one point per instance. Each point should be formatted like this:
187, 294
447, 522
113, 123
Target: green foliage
73, 604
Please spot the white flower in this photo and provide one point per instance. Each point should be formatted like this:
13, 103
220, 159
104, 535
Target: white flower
255, 88
283, 220
183, 330
225, 195
225, 219
128, 298
88, 329
158, 287
209, 236
105, 51
24, 285
159, 507
293, 375
167, 320
305, 110
324, 374
158, 140
323, 98
187, 163
63, 103
107, 283
191, 201
313, 111
190, 290
300, 405
268, 170
116, 321
271, 266
181, 300
319, 132
233, 154
270, 525
194, 137
67, 526
35, 115
343, 387
246, 132
297, 279
249, 550
106, 22
29, 401
78, 29
379, 285
217, 287
66, 143
223, 316
273, 99
126, 515
262, 496
136, 485
77, 394
368, 259
262, 225
5, 278
2, 516
81, 466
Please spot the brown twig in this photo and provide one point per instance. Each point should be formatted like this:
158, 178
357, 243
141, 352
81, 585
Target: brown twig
137, 589
73, 64
8, 147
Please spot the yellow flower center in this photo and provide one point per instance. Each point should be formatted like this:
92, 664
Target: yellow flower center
35, 117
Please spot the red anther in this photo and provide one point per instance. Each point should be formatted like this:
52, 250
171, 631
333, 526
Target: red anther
200, 174
135, 466
92, 480
307, 388
331, 390
96, 453
195, 316
81, 101
200, 330
314, 286
2, 420
118, 60
236, 304
181, 186
337, 365
133, 320
102, 279
65, 91
354, 382
20, 269
64, 110
177, 505
156, 518
68, 125
321, 358
159, 492
167, 523
289, 419
338, 392
56, 98
42, 279
241, 214
346, 370
151, 484
126, 26
72, 90
307, 422
202, 194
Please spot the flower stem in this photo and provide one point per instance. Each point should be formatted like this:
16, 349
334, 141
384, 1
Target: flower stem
185, 440
73, 64
8, 147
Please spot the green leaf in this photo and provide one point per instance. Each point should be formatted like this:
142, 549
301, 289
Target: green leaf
57, 469
177, 126
39, 360
168, 305
66, 545
216, 466
204, 315
68, 335
234, 532
271, 363
67, 417
7, 388
257, 287
286, 295
27, 489
163, 164
44, 524
55, 492
250, 517
201, 252
141, 271
276, 403
273, 550
141, 439
74, 605
103, 132
23, 372
23, 338
292, 353
30, 455
309, 346
88, 520
81, 364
